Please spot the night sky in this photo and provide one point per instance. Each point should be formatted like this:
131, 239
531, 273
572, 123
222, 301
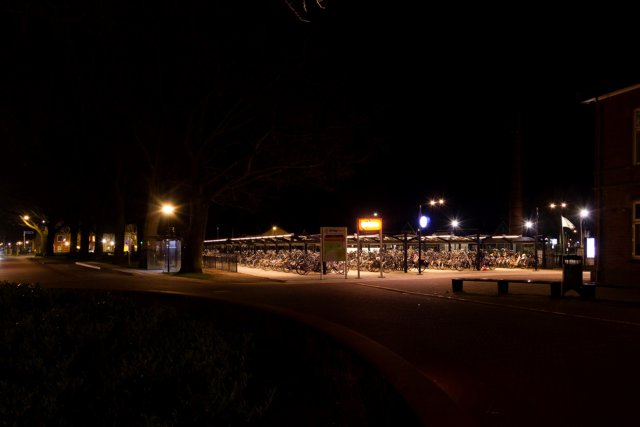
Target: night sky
433, 100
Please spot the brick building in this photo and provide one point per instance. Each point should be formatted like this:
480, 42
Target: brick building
617, 186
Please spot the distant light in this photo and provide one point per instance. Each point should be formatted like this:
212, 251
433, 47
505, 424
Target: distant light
168, 209
584, 213
555, 205
26, 217
455, 223
424, 221
528, 224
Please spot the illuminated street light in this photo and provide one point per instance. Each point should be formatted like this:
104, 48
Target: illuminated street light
454, 223
529, 225
561, 243
168, 211
423, 222
584, 213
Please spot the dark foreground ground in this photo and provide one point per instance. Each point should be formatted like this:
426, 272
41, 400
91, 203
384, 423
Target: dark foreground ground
107, 358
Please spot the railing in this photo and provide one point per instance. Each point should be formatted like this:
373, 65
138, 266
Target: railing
226, 262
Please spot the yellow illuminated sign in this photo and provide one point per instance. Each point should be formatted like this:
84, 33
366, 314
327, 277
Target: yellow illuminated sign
369, 224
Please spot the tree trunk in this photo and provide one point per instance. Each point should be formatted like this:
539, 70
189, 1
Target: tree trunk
98, 249
73, 240
150, 233
118, 250
44, 241
193, 242
51, 237
85, 236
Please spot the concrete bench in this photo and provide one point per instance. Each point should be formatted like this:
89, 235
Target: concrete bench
555, 286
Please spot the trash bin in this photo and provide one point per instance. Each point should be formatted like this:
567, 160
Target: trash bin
572, 273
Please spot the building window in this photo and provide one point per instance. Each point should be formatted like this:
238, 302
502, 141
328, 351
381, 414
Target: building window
636, 136
636, 229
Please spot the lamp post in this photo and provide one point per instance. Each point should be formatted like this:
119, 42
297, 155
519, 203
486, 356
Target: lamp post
560, 206
454, 224
535, 245
423, 222
528, 225
584, 213
167, 211
24, 234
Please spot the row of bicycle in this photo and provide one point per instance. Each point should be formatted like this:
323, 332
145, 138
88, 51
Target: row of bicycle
301, 262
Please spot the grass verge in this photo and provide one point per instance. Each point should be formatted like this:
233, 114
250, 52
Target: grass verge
106, 358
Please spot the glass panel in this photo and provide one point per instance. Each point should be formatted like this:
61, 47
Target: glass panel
637, 146
636, 240
636, 211
636, 121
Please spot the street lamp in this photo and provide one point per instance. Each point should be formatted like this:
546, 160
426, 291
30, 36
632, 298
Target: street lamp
529, 225
438, 202
423, 222
24, 234
168, 210
454, 224
560, 206
584, 213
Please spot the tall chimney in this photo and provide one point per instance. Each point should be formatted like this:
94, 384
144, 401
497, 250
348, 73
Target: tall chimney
515, 195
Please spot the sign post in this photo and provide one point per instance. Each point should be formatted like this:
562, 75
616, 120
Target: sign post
369, 225
334, 247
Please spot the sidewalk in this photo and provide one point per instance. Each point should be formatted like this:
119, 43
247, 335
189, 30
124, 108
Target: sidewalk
615, 304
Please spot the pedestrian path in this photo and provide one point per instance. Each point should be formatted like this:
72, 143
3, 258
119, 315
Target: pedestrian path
618, 304
610, 303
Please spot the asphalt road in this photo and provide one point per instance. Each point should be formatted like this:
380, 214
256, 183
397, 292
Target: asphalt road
521, 359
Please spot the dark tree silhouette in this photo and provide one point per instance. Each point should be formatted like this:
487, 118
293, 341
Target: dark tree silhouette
124, 104
237, 150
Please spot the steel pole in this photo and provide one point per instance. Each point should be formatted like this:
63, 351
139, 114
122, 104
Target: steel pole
419, 252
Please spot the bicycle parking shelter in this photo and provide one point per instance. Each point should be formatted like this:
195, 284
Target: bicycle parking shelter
291, 241
435, 242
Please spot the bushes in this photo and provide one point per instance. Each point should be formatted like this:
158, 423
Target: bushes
100, 358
